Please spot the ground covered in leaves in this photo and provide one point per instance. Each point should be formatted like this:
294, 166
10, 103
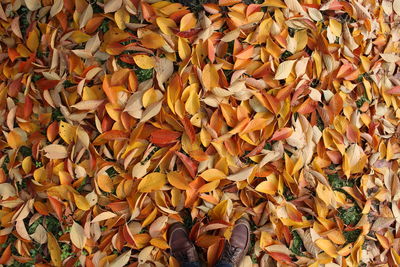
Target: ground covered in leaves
121, 117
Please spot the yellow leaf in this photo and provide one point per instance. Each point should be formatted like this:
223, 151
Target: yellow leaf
79, 37
67, 132
151, 182
27, 164
192, 104
150, 218
212, 175
144, 61
268, 187
327, 246
209, 187
149, 97
54, 249
176, 179
159, 243
183, 49
165, 24
301, 38
81, 202
188, 22
274, 3
152, 40
121, 17
14, 139
324, 193
336, 27
221, 210
205, 137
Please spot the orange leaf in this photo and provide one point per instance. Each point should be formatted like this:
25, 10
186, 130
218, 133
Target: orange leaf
245, 53
282, 133
57, 207
6, 255
105, 183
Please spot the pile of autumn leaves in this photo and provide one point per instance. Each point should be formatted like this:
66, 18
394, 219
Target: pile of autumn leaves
122, 117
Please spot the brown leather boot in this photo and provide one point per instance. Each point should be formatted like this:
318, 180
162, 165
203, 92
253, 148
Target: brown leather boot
237, 247
181, 247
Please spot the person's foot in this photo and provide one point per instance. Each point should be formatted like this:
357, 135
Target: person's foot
181, 247
237, 247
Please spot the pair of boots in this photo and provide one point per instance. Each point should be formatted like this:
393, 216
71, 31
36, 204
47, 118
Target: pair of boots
234, 251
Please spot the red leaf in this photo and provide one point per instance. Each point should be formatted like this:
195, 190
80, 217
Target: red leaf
256, 150
186, 34
28, 105
280, 256
189, 129
190, 165
164, 137
45, 84
394, 91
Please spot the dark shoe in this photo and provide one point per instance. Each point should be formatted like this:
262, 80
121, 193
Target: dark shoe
237, 247
181, 247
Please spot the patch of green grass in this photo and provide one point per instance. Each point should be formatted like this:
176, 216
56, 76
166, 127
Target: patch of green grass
33, 226
25, 151
268, 146
4, 165
297, 244
285, 55
361, 101
228, 74
337, 182
68, 83
38, 164
96, 7
288, 194
320, 123
56, 115
36, 77
144, 75
350, 216
111, 172
53, 226
130, 41
291, 32
351, 236
104, 25
84, 182
66, 251
22, 184
23, 19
